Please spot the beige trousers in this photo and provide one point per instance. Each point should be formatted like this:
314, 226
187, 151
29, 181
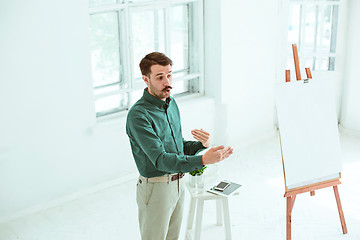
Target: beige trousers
160, 209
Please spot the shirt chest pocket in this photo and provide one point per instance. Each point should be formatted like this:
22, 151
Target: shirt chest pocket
166, 136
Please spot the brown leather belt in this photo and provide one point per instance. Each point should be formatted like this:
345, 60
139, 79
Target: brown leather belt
165, 178
177, 176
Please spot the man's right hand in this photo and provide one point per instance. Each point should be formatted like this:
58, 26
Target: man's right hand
216, 154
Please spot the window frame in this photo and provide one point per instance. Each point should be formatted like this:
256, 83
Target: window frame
124, 10
314, 53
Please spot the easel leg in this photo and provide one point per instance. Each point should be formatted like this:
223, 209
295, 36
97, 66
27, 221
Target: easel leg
288, 218
341, 214
289, 205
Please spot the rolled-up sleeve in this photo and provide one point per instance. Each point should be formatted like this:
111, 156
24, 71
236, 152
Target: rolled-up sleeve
145, 142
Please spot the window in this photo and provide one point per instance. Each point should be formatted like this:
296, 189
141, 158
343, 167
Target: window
313, 27
123, 32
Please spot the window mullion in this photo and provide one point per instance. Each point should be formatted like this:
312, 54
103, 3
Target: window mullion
156, 29
301, 30
191, 41
200, 63
316, 35
167, 30
126, 46
129, 44
121, 79
320, 16
334, 14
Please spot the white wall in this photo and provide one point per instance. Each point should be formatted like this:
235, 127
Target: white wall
242, 45
247, 42
350, 114
46, 102
51, 145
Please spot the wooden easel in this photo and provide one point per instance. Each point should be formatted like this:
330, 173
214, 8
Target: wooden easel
291, 194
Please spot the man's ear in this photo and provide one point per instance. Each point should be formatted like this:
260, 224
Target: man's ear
146, 79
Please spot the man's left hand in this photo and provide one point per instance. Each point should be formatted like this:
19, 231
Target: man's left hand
202, 136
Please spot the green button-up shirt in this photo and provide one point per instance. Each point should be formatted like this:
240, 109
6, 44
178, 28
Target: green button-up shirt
154, 130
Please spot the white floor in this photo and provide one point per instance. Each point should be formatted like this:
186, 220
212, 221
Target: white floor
258, 212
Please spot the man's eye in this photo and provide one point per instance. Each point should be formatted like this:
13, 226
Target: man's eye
161, 78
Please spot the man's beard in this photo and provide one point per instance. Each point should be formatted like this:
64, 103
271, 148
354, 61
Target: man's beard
166, 91
163, 93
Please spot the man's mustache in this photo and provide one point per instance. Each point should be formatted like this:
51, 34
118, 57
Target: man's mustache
168, 87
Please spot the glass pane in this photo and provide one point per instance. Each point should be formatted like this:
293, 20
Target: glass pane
179, 27
324, 30
334, 26
185, 87
105, 56
322, 64
194, 85
113, 102
294, 23
180, 87
309, 24
93, 3
331, 63
148, 35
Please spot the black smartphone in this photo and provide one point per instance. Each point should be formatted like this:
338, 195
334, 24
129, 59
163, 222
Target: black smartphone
222, 186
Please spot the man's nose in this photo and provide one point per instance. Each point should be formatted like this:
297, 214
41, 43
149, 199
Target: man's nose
167, 80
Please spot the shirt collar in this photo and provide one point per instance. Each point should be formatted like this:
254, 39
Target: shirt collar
156, 101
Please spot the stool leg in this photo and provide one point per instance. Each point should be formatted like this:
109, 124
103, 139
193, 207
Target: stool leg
199, 213
226, 218
218, 212
191, 213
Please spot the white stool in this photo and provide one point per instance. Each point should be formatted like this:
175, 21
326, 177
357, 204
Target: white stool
198, 199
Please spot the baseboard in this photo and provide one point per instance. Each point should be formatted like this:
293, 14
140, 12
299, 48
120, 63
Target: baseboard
349, 131
68, 198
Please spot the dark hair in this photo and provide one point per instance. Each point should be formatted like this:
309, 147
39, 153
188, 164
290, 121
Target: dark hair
154, 58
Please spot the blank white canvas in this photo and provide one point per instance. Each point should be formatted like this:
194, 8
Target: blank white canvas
309, 132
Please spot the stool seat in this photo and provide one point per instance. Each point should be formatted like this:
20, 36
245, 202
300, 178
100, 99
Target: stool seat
197, 201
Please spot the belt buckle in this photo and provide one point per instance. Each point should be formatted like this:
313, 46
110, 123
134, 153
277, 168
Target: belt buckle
174, 177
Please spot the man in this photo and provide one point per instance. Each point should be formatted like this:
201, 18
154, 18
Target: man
161, 154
